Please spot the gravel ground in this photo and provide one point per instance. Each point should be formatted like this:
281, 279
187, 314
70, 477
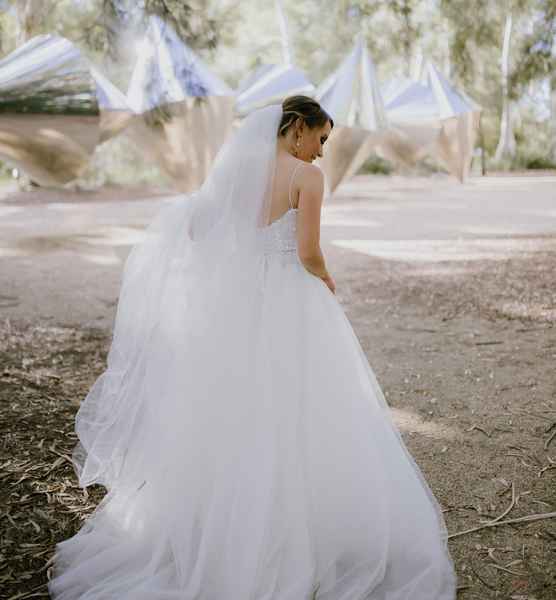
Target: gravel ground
458, 328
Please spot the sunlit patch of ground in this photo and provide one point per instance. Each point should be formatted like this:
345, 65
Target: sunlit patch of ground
83, 246
411, 423
9, 210
447, 250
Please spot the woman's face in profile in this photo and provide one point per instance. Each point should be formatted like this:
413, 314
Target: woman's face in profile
312, 141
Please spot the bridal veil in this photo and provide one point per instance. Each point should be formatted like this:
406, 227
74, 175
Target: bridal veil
196, 248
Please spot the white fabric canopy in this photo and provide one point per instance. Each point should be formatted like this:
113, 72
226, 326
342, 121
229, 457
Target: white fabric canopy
352, 97
269, 84
167, 71
430, 117
451, 102
459, 124
55, 108
413, 116
183, 111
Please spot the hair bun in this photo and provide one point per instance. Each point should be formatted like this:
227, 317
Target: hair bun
303, 107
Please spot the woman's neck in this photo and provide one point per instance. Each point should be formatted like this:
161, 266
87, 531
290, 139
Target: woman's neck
284, 144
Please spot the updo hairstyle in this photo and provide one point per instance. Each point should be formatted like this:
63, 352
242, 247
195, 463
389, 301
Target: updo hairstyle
302, 106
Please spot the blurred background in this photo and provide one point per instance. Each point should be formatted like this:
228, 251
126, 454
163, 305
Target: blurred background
500, 54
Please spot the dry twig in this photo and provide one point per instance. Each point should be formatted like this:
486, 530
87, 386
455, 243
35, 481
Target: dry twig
536, 517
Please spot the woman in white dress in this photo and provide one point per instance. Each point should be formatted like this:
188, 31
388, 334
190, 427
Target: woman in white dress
246, 447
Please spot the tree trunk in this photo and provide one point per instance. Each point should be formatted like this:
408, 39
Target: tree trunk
506, 144
416, 69
286, 46
552, 125
29, 14
482, 145
407, 41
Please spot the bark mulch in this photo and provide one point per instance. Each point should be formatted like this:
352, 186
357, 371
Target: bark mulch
45, 373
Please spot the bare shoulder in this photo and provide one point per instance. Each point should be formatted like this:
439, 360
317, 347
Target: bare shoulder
312, 172
311, 190
312, 177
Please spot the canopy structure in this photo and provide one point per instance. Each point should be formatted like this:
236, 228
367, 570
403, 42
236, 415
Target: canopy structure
459, 117
269, 84
183, 112
55, 107
352, 97
412, 113
430, 117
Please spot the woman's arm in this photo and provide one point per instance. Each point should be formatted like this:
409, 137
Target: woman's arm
308, 224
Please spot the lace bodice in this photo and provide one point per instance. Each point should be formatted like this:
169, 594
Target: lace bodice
280, 237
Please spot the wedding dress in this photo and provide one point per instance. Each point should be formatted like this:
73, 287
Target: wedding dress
246, 446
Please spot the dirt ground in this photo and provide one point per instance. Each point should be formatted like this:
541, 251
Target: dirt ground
463, 346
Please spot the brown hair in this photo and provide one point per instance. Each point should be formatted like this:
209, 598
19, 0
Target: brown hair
308, 109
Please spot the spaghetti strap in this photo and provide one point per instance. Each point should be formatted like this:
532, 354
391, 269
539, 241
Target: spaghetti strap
291, 183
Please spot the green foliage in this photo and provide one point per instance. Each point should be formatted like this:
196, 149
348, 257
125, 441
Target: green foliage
408, 30
324, 31
376, 165
536, 57
5, 172
477, 30
119, 161
193, 23
540, 162
533, 143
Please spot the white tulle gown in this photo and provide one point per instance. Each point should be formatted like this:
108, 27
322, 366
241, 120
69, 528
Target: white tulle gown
266, 470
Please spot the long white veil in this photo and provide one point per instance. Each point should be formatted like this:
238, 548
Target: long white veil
196, 269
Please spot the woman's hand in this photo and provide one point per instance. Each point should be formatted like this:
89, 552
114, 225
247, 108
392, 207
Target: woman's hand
330, 283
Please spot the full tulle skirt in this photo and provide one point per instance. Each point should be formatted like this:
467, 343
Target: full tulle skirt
262, 463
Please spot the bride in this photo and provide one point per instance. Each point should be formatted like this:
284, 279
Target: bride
246, 447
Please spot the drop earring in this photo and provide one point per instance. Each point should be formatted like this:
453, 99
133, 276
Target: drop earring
296, 149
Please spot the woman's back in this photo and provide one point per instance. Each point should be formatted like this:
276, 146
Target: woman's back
286, 186
298, 186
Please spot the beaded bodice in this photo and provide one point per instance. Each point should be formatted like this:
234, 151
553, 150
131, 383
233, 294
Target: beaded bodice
280, 237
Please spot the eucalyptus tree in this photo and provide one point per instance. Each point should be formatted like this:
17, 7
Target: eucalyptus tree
323, 32
481, 31
407, 29
537, 60
398, 33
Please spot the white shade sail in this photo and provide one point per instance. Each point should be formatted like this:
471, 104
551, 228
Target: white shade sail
268, 84
183, 111
430, 117
55, 108
168, 71
352, 97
